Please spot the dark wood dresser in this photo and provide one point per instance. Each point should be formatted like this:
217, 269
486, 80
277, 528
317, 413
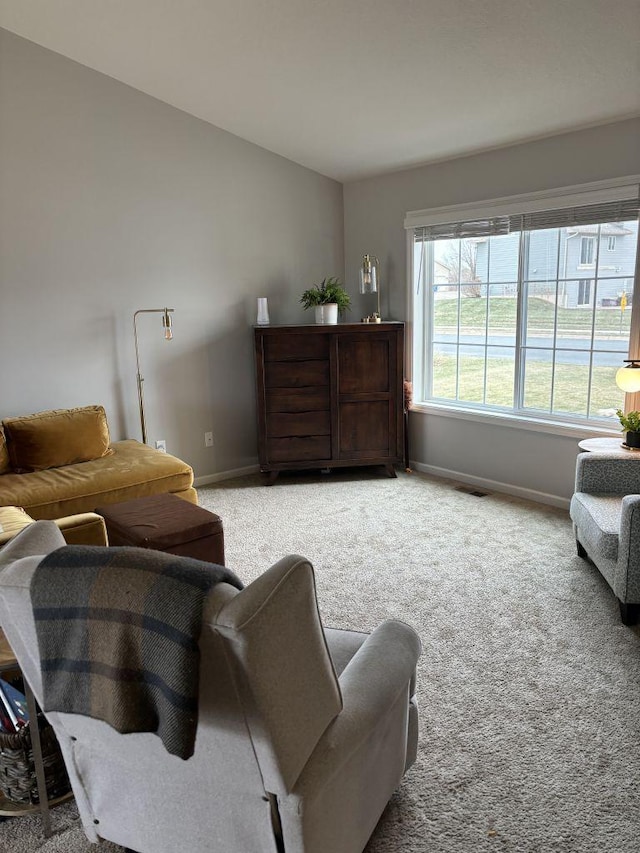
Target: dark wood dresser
329, 396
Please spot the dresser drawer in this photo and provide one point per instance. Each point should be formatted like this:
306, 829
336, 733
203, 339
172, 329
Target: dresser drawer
298, 400
299, 449
292, 347
296, 374
282, 424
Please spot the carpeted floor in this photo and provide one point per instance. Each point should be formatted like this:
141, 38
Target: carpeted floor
528, 684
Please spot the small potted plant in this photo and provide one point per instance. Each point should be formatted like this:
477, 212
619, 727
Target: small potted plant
329, 298
631, 425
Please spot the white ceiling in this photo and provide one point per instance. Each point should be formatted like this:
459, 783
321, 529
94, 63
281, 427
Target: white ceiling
352, 88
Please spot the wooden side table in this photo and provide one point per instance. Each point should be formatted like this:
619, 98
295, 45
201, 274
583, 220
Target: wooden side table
8, 663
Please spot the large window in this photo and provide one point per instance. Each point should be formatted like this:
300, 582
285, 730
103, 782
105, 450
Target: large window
526, 313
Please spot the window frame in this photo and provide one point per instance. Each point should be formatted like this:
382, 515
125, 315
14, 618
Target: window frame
418, 361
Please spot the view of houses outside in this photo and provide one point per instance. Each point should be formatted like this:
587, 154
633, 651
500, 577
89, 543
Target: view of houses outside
571, 290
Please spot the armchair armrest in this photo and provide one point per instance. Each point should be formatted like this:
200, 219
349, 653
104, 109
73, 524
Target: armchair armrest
627, 579
608, 473
378, 675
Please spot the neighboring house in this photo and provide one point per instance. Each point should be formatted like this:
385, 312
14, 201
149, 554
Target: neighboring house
588, 262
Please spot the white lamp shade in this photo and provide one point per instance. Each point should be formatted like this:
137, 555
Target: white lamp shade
628, 378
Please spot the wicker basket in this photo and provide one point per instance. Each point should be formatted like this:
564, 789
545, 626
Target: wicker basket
17, 771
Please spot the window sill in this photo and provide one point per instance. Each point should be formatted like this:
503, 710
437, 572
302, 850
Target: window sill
507, 419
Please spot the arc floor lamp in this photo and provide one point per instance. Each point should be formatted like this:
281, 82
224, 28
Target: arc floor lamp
168, 335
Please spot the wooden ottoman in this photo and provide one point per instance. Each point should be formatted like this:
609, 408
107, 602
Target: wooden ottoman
166, 523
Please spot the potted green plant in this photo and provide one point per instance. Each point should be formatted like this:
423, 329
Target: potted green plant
631, 425
329, 298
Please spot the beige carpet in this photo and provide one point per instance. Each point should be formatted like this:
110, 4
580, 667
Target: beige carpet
528, 686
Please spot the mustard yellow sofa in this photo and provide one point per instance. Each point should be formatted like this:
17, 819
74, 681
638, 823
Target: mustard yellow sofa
62, 463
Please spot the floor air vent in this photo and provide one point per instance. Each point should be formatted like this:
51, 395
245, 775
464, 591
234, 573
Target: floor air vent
470, 491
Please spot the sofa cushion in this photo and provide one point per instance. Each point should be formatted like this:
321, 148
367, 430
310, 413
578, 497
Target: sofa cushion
597, 518
5, 463
133, 470
56, 438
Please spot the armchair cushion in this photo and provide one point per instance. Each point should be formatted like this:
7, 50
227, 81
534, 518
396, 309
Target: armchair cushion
598, 519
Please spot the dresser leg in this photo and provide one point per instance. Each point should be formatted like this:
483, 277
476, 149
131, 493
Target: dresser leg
391, 471
272, 476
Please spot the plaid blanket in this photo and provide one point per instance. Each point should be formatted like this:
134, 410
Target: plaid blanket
118, 632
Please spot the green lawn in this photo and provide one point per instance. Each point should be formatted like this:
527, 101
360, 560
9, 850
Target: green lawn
570, 384
540, 315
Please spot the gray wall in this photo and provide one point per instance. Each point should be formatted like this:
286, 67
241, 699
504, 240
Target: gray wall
518, 460
111, 201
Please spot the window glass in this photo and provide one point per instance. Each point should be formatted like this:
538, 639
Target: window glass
542, 256
538, 379
532, 321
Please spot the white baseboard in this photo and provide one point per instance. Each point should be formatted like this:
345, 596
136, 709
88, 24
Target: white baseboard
225, 475
434, 470
493, 485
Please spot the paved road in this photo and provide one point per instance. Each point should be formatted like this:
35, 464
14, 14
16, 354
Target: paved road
474, 347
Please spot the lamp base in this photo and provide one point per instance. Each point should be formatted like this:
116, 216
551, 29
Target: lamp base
372, 318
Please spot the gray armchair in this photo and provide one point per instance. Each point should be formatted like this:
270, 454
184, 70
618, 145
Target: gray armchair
303, 733
605, 510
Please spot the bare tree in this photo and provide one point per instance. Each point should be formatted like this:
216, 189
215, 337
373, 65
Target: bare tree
461, 262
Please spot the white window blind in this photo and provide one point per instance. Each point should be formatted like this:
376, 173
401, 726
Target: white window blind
568, 217
577, 205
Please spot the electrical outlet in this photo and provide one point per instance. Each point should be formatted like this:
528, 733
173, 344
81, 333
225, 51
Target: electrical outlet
161, 445
208, 439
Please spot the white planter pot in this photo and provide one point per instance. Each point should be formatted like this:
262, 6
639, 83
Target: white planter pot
327, 314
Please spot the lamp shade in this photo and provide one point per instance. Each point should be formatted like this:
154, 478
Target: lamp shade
369, 283
628, 377
368, 275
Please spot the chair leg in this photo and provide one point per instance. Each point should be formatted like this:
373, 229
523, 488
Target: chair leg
581, 552
629, 613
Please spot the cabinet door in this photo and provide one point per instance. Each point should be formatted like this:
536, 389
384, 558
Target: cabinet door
368, 396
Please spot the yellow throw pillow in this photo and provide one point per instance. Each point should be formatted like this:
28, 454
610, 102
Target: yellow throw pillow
5, 462
56, 438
